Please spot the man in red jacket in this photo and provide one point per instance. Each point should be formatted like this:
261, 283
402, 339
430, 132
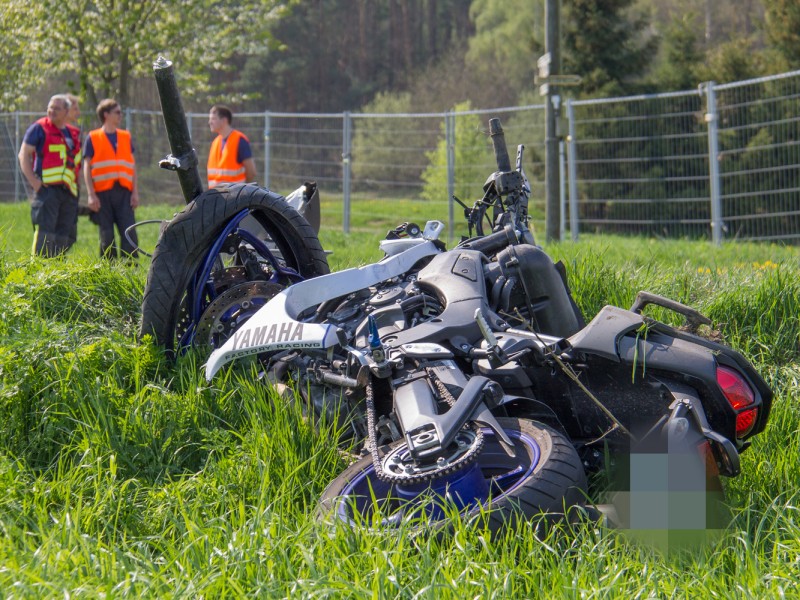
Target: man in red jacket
109, 170
50, 158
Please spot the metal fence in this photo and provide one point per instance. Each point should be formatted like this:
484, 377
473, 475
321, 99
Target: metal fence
720, 162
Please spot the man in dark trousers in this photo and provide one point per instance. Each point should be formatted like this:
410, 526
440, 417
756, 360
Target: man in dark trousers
50, 158
109, 170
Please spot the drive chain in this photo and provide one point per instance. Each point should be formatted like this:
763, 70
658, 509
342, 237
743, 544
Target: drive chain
415, 478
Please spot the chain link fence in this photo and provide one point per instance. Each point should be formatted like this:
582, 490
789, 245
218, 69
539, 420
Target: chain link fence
720, 162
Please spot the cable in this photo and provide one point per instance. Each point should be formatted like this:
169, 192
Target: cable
134, 226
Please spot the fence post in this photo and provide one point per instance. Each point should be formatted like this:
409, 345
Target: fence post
713, 163
562, 193
572, 173
267, 125
17, 145
128, 118
346, 149
450, 144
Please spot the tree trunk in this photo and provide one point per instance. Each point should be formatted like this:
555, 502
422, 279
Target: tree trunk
124, 76
430, 22
405, 11
364, 26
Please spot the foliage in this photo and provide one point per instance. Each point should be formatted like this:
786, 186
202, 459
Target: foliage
376, 140
730, 61
334, 56
322, 56
680, 56
782, 24
16, 69
509, 36
604, 45
470, 150
108, 43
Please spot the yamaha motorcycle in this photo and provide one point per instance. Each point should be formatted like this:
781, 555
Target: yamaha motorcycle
466, 377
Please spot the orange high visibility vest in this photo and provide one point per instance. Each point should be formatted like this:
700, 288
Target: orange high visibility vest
222, 164
109, 166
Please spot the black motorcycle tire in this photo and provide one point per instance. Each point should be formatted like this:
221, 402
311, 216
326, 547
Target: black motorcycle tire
557, 483
187, 238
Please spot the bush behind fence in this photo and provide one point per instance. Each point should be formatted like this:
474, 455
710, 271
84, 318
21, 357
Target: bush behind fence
721, 162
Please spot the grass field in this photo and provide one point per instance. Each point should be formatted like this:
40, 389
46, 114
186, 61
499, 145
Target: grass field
125, 475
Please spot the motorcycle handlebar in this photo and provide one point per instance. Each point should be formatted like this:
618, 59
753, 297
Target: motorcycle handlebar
499, 143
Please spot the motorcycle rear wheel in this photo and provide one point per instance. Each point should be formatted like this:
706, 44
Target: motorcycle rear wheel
180, 286
545, 478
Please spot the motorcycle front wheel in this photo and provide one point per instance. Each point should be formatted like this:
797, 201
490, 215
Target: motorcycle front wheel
545, 477
220, 259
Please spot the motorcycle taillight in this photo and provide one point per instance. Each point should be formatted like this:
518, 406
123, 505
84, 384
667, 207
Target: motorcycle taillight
740, 396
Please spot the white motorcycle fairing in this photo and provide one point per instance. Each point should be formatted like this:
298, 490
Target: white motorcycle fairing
274, 326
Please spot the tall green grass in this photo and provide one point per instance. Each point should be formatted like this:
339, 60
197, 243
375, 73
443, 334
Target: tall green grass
125, 475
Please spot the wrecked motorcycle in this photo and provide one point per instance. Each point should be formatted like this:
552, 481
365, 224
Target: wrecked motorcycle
468, 377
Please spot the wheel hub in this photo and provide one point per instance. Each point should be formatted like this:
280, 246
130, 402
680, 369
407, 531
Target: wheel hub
402, 468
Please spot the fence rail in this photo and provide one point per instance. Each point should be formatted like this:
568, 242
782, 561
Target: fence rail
721, 162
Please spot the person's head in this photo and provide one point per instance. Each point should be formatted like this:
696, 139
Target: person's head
74, 112
220, 118
57, 110
108, 111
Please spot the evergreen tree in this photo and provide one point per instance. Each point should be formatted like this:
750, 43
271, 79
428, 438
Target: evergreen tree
680, 56
604, 45
783, 29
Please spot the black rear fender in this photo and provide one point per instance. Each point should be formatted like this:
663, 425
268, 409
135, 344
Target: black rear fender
651, 347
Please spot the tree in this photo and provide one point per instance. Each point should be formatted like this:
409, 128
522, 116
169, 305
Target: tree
603, 44
679, 57
730, 61
470, 153
783, 29
377, 142
331, 55
15, 72
509, 38
109, 43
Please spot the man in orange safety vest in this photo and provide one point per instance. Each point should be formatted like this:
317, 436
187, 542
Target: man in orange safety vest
230, 159
109, 170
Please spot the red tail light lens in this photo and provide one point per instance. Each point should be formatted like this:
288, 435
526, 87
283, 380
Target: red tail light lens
745, 421
739, 395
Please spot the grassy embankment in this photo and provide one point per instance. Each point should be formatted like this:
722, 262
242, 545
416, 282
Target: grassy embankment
124, 475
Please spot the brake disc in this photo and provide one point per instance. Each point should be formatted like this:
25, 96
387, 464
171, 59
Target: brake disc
232, 308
